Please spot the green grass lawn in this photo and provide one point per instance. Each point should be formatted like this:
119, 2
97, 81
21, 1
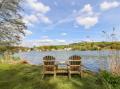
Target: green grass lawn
23, 76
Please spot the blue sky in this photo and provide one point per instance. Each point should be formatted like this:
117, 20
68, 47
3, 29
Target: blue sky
53, 22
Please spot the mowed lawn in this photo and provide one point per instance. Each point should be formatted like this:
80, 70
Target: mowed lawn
24, 76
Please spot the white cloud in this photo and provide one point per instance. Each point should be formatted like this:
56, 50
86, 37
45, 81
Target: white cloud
87, 9
59, 41
44, 19
28, 32
38, 6
32, 19
84, 17
29, 19
75, 25
109, 5
87, 17
43, 42
63, 34
46, 41
87, 21
37, 13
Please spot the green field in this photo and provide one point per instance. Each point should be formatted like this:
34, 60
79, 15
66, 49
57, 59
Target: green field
24, 76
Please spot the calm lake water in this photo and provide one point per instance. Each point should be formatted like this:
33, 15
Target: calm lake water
93, 60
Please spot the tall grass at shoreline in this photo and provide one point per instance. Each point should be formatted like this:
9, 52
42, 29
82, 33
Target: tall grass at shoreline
109, 80
8, 58
24, 76
115, 62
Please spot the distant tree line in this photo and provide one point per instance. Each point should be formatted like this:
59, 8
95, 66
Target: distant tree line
49, 48
84, 46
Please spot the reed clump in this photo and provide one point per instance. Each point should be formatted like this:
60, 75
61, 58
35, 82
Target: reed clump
8, 58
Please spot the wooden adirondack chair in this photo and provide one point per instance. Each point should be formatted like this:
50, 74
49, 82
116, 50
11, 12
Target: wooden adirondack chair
49, 66
74, 65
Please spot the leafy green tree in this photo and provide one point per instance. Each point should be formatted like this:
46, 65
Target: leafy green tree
11, 24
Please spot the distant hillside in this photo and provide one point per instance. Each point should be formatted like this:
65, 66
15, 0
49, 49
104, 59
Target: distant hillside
83, 46
95, 45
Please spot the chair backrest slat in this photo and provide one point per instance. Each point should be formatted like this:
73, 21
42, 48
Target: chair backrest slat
49, 63
75, 62
49, 60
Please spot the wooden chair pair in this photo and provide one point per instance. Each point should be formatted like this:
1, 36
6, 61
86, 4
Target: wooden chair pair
74, 65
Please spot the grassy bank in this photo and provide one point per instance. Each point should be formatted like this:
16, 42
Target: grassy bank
24, 76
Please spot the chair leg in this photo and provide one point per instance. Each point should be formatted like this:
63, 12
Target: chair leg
81, 73
69, 75
43, 76
43, 72
54, 74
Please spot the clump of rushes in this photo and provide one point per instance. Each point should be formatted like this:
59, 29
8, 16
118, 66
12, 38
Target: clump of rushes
9, 58
108, 80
